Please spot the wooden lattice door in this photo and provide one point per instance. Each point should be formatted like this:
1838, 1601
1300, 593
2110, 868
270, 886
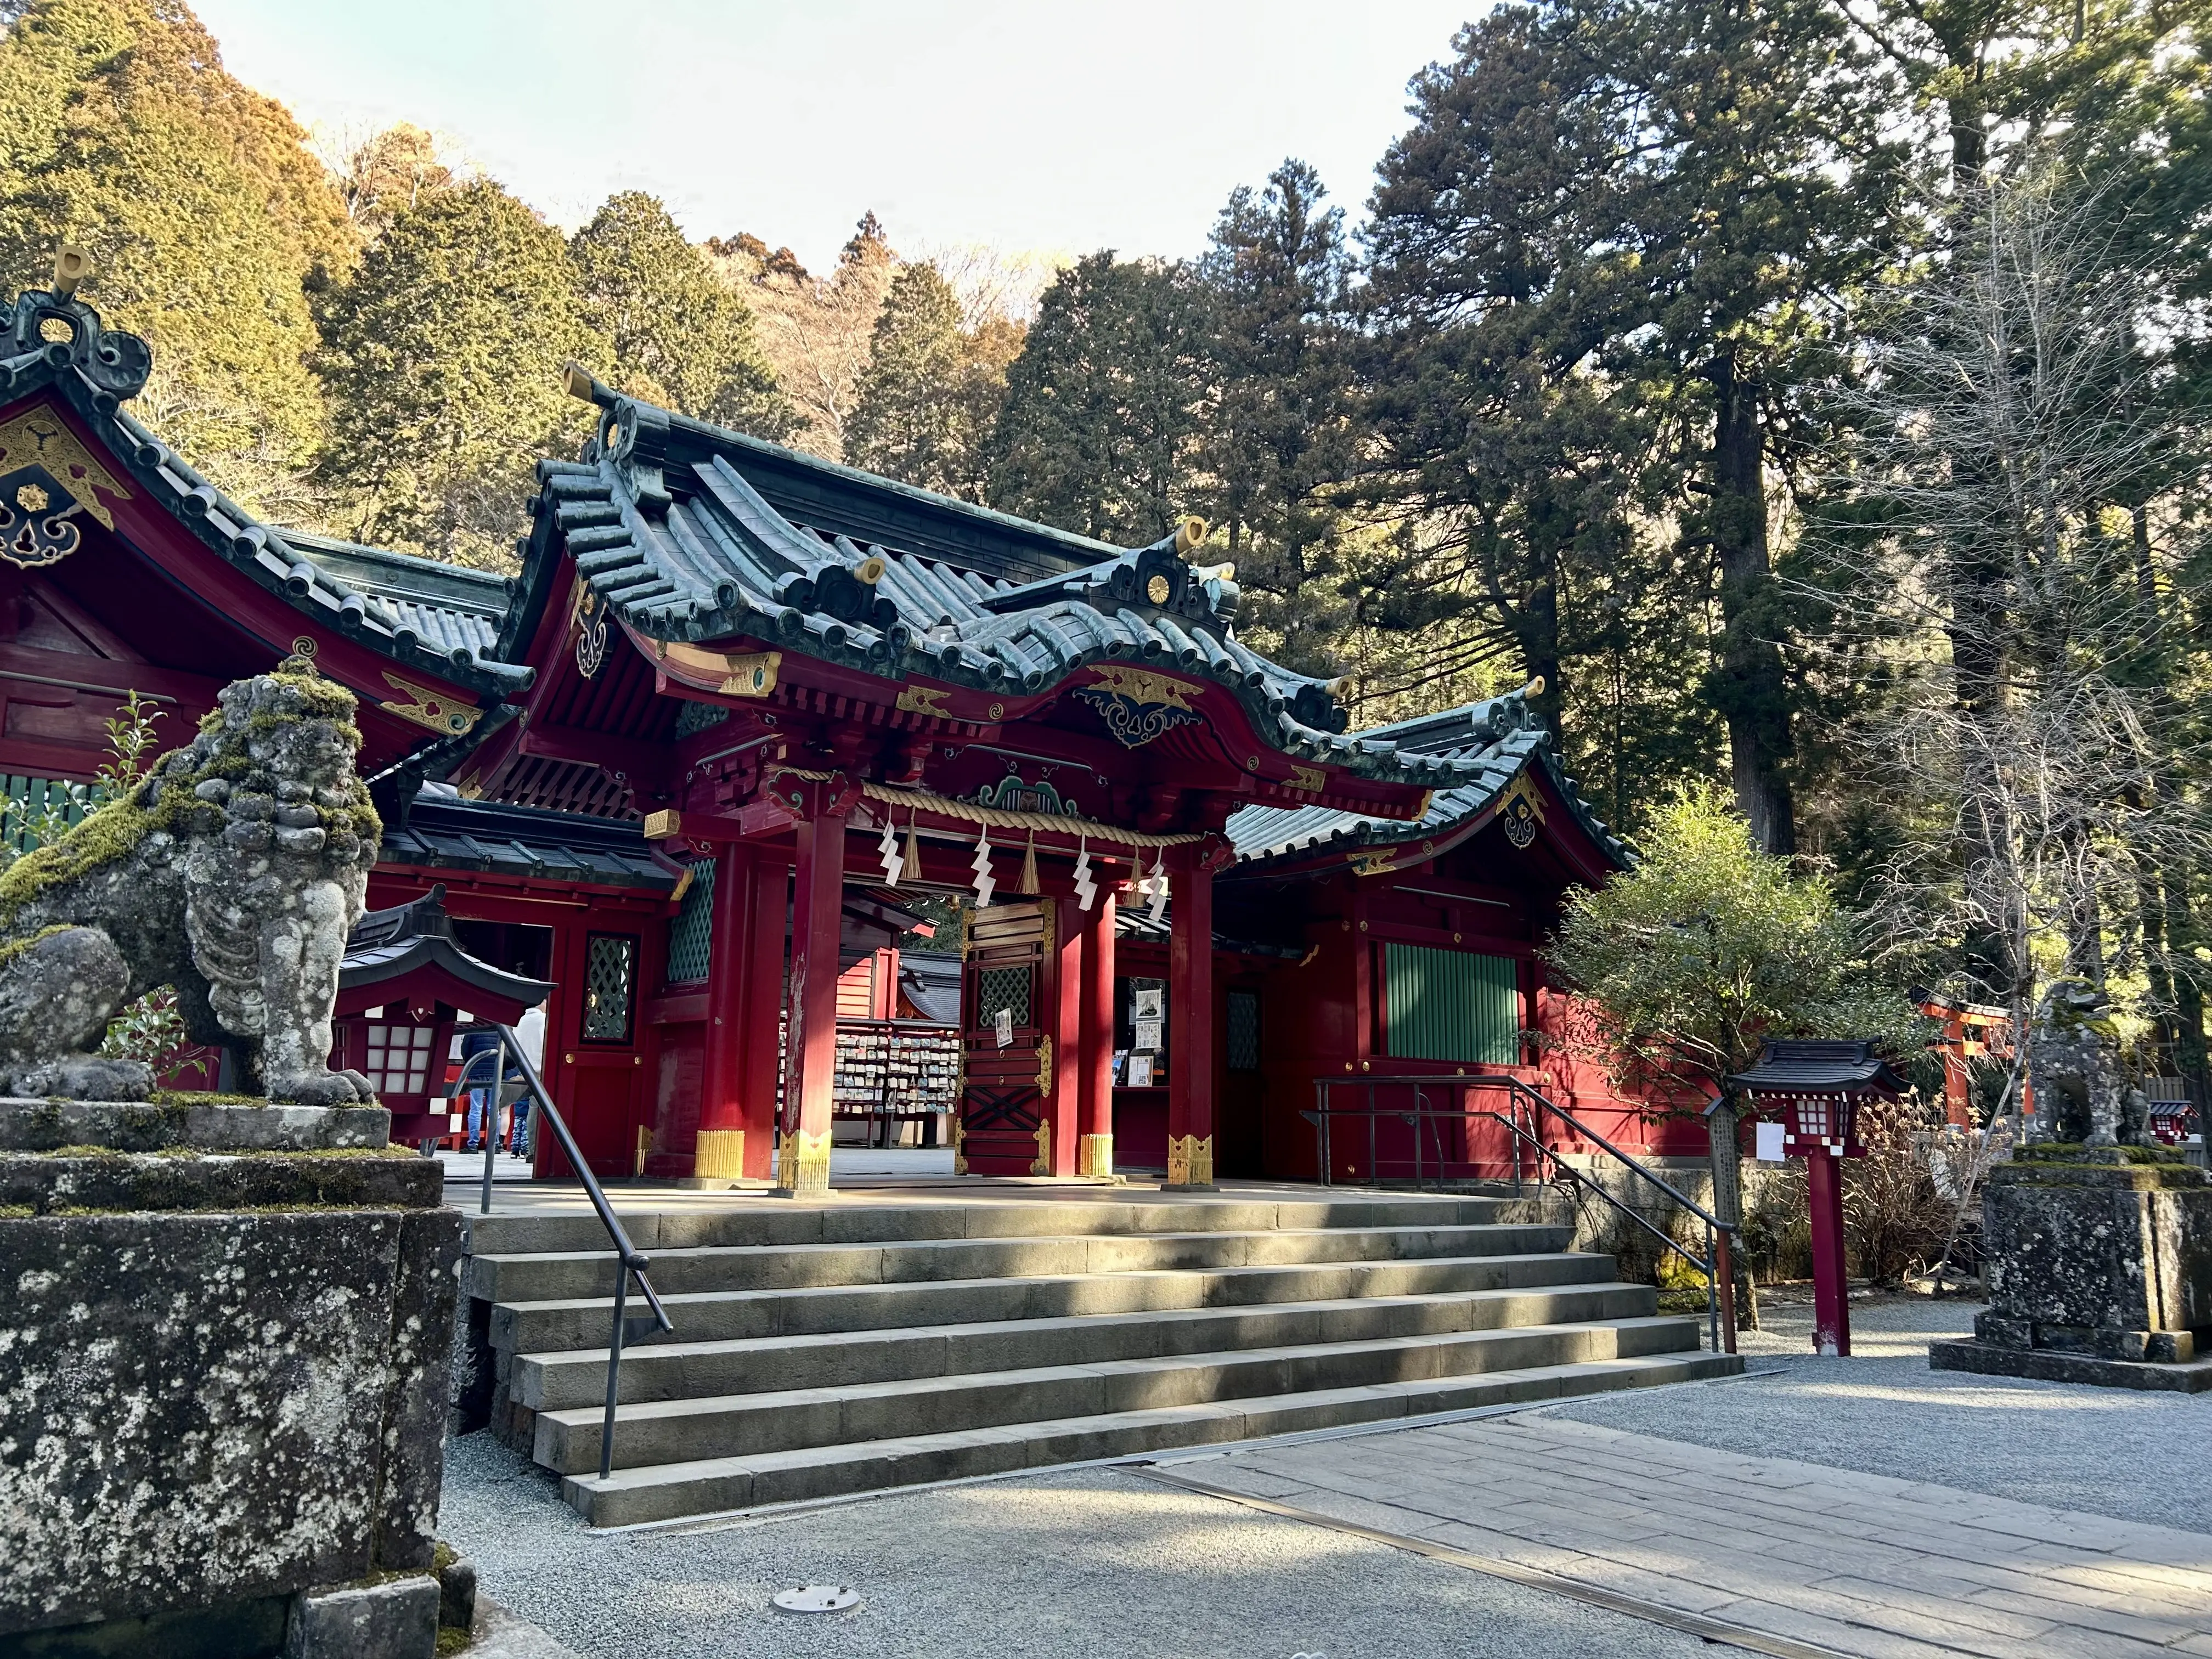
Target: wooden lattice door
1006, 997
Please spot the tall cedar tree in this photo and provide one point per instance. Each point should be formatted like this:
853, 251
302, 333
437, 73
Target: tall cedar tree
444, 362
121, 132
1107, 404
931, 390
1508, 417
681, 337
1281, 433
1667, 204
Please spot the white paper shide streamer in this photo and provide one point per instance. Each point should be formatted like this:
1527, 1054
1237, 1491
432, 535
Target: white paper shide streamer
894, 860
985, 883
1156, 884
1085, 888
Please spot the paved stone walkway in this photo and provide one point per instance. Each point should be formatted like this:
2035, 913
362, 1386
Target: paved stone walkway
1855, 1564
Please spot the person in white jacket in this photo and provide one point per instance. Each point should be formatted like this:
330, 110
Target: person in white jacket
530, 1038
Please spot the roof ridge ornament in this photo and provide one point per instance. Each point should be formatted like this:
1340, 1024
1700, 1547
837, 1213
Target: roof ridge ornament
54, 324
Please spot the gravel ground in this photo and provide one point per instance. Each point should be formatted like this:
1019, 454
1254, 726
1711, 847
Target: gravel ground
2131, 1456
1088, 1562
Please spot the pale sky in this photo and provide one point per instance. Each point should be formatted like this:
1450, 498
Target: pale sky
1066, 126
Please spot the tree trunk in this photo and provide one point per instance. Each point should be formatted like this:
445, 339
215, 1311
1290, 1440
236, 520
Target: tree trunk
1725, 1149
1753, 693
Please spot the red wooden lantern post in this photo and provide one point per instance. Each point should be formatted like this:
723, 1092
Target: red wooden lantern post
1816, 1087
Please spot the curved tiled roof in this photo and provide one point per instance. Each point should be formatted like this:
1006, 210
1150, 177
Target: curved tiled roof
418, 613
692, 532
1488, 744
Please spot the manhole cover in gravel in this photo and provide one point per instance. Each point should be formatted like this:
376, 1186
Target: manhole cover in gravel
816, 1598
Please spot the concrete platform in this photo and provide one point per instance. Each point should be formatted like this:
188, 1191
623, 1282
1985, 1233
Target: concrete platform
2050, 1366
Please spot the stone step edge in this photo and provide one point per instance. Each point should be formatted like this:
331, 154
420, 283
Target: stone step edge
973, 1454
588, 1418
687, 1252
676, 1352
603, 1306
643, 1223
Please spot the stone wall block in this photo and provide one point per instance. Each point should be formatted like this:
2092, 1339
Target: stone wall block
395, 1619
190, 1407
414, 1416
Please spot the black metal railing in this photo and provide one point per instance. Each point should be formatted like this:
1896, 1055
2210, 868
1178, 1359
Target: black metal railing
630, 1261
1529, 1145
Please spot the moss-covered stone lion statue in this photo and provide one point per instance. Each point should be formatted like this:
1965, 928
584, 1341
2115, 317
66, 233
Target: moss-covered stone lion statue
232, 872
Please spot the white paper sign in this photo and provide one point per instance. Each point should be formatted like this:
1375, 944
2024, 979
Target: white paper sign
1003, 1025
1140, 1071
1767, 1141
1150, 1006
1148, 1035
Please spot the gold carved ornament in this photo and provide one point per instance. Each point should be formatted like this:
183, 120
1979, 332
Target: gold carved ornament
1378, 861
1041, 1165
428, 707
1190, 1161
1309, 779
924, 700
1044, 1066
39, 438
1137, 704
741, 673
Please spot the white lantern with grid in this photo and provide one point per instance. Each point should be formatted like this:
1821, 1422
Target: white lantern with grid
397, 1060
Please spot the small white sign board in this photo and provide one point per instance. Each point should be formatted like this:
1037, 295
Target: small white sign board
1002, 1026
1148, 1035
1141, 1072
1150, 1000
1767, 1142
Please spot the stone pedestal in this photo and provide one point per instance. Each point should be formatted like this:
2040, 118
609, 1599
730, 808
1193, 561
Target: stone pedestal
2101, 1270
223, 1372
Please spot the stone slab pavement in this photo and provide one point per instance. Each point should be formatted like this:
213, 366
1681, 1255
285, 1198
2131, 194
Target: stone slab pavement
1869, 1565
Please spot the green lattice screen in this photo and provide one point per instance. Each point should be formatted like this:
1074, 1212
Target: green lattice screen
691, 935
1451, 1005
1002, 987
28, 798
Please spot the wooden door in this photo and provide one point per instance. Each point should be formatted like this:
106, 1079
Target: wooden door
1009, 971
609, 1110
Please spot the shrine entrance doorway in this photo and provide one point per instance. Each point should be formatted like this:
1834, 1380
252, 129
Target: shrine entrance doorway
1008, 987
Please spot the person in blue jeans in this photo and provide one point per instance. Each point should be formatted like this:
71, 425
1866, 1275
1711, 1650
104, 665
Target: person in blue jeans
481, 1097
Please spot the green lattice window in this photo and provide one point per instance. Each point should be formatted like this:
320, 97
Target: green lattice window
609, 987
30, 800
1451, 1005
691, 935
1002, 987
1243, 1045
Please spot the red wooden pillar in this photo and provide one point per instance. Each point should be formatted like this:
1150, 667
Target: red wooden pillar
1064, 1110
1824, 1191
1190, 1020
818, 894
760, 1056
1095, 1155
720, 1154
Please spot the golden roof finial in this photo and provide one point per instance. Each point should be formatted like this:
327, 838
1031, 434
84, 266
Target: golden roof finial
71, 266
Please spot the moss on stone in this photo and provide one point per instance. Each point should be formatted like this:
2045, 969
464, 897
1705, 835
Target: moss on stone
2067, 1151
196, 1097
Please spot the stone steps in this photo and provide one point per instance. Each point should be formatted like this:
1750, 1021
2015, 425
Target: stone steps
825, 1351
677, 1370
796, 1266
666, 1492
789, 1420
725, 1316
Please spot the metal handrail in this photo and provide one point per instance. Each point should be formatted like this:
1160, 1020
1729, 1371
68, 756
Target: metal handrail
1717, 1264
629, 1259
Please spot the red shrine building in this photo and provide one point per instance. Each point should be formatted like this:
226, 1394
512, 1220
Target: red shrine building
742, 706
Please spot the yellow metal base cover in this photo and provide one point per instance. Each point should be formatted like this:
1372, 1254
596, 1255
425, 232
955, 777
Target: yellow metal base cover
802, 1165
1094, 1155
1190, 1161
719, 1156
